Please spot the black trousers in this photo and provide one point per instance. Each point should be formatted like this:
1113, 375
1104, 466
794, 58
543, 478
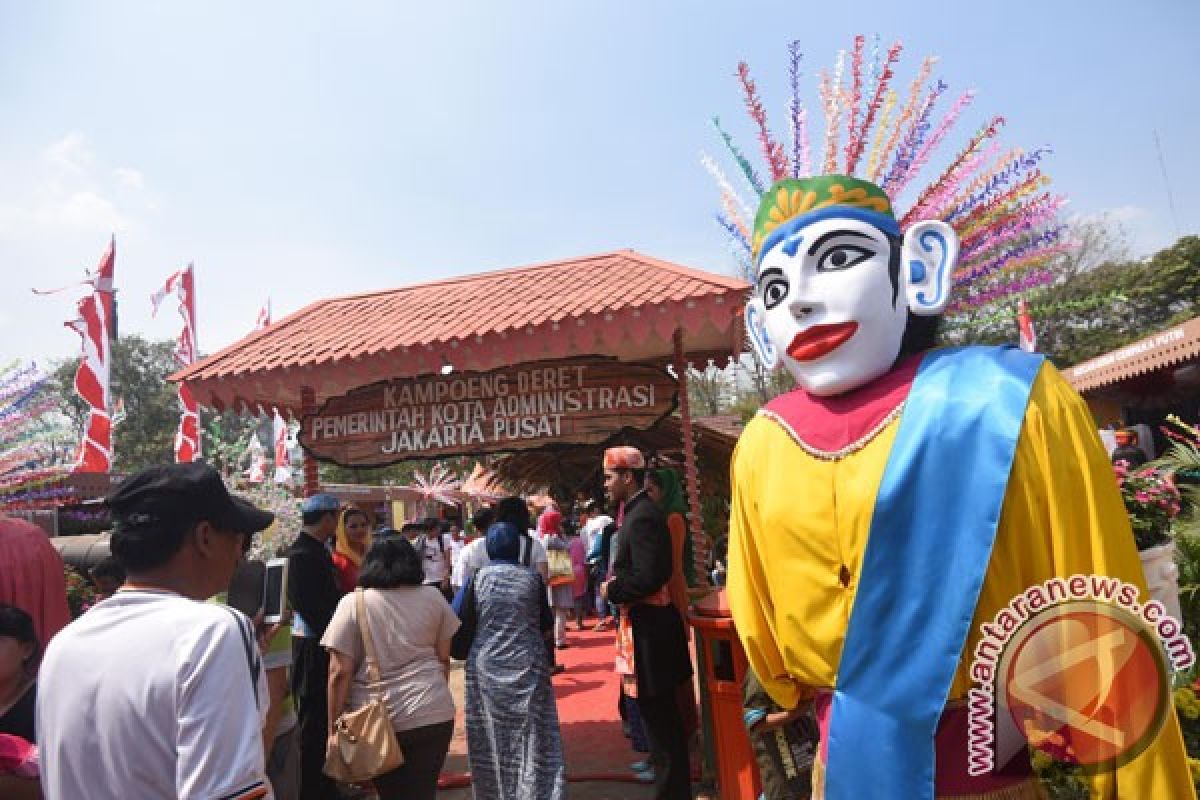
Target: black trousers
424, 753
310, 688
668, 746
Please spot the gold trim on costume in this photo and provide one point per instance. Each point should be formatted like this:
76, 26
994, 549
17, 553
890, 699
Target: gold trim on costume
840, 453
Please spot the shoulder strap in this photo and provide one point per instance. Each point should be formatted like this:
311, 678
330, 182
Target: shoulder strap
526, 551
252, 661
368, 642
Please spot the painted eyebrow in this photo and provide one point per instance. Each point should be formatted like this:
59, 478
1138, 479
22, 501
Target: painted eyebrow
831, 234
769, 271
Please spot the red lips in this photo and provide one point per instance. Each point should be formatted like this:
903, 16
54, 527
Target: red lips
811, 344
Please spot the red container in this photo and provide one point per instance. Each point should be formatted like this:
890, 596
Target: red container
724, 670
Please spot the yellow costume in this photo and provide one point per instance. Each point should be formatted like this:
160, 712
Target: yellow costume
799, 527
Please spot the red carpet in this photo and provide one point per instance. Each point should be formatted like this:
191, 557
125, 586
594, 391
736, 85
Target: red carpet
594, 746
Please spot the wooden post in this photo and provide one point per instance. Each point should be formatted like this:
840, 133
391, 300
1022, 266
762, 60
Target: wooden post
312, 480
691, 475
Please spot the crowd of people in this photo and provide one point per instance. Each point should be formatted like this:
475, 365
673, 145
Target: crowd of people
222, 704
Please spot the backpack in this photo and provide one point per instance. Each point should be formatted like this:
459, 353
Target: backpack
525, 559
441, 542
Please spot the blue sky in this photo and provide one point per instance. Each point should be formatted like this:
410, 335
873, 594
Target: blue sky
300, 150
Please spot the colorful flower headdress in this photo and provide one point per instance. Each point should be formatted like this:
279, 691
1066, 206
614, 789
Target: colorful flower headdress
880, 140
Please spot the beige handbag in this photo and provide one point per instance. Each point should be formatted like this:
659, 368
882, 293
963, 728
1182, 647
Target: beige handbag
364, 743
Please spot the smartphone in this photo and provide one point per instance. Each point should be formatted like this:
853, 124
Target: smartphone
275, 591
246, 588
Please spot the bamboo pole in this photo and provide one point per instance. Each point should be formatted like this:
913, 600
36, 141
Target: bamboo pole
312, 480
691, 474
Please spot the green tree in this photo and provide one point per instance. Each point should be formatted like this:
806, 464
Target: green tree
397, 474
1097, 307
709, 390
1145, 296
225, 441
145, 431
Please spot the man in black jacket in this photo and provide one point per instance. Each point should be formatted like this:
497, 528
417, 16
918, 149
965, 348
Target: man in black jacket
313, 595
660, 656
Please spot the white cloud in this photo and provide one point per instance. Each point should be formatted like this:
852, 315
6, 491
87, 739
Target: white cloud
130, 178
59, 203
69, 190
84, 211
71, 153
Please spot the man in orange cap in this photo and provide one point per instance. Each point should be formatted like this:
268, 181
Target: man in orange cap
652, 650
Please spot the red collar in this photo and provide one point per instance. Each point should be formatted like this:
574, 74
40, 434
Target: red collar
830, 424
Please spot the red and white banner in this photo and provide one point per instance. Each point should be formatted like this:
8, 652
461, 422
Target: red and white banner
264, 317
92, 378
182, 285
1028, 337
283, 461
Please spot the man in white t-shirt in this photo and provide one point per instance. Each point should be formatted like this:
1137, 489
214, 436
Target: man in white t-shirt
481, 520
532, 554
435, 549
154, 693
592, 522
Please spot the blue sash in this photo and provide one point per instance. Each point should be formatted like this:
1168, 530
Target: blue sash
930, 541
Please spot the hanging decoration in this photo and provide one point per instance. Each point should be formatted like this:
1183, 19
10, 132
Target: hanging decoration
439, 485
182, 285
36, 441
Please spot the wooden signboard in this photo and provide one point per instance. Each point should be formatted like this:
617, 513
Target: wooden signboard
524, 407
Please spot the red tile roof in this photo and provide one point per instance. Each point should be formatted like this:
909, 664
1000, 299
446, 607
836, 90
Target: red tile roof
1166, 348
621, 303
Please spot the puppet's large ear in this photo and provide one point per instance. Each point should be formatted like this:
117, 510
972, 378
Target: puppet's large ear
930, 254
760, 340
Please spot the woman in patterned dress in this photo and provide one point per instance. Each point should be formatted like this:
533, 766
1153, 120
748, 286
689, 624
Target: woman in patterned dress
515, 748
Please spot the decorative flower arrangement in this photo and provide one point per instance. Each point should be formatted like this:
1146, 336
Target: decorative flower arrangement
285, 506
1060, 780
80, 594
1152, 502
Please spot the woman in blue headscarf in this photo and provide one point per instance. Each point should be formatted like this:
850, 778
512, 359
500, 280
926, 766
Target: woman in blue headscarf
513, 737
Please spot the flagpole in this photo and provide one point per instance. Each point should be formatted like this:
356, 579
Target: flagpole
112, 330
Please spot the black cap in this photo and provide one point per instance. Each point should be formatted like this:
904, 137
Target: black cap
183, 492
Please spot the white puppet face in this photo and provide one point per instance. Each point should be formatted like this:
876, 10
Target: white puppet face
832, 299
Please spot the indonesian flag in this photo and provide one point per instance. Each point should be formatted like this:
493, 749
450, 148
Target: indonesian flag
182, 285
264, 317
91, 379
1028, 337
283, 462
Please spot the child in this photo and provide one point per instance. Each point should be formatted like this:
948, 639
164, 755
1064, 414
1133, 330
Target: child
784, 742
